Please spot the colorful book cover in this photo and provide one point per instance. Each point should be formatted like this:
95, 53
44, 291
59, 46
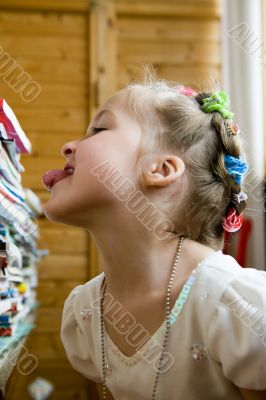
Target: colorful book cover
12, 127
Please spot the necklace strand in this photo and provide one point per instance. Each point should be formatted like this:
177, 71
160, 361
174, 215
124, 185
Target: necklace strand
166, 335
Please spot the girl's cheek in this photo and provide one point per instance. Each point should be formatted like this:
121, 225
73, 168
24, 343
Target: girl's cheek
117, 153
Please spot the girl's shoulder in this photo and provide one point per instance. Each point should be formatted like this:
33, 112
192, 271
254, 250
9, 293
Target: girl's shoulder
225, 283
89, 292
77, 331
231, 304
220, 271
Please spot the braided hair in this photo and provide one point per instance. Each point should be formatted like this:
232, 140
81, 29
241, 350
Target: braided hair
228, 145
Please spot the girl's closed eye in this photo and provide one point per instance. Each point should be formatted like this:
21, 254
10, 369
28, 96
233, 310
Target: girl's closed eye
97, 130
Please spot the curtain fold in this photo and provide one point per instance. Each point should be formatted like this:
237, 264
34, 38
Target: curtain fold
243, 66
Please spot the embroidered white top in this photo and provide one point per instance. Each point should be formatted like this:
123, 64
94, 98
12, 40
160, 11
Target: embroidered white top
217, 337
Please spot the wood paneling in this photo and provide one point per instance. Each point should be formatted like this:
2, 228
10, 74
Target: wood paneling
65, 91
157, 51
47, 5
49, 144
68, 384
177, 8
54, 293
52, 47
60, 24
182, 46
39, 46
186, 29
63, 240
194, 76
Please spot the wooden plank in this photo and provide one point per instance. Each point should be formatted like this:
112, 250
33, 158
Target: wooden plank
54, 23
49, 145
75, 240
102, 53
43, 195
36, 167
52, 119
38, 46
70, 394
47, 5
47, 293
191, 9
55, 267
51, 95
45, 347
95, 265
51, 294
158, 51
45, 223
195, 76
33, 179
168, 28
61, 374
48, 321
107, 51
50, 70
68, 383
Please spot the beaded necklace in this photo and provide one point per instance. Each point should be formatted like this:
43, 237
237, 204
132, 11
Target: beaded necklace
105, 366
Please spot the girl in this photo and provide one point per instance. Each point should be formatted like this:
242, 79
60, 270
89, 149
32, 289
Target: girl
156, 181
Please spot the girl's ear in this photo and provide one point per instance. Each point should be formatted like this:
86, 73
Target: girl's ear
162, 170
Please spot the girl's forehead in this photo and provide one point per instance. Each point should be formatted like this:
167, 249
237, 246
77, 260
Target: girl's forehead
117, 99
129, 103
117, 104
123, 97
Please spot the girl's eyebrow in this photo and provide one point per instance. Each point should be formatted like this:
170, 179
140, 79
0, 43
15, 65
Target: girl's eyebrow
98, 116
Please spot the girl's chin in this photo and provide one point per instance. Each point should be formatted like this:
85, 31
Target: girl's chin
52, 215
56, 212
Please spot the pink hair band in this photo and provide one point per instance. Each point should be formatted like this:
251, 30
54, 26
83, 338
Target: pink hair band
187, 91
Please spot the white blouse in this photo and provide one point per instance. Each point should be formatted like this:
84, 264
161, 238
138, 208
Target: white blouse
217, 337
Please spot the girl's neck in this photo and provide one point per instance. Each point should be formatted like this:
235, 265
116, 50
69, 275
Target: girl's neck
134, 267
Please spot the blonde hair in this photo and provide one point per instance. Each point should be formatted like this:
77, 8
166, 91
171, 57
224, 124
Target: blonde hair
175, 122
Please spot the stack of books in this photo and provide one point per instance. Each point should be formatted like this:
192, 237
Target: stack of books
19, 233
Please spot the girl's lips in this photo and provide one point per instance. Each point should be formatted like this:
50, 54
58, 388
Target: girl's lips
54, 175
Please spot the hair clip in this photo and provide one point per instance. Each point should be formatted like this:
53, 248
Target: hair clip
236, 168
187, 91
232, 221
238, 197
233, 129
217, 102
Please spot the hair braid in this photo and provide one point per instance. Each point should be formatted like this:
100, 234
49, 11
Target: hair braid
229, 144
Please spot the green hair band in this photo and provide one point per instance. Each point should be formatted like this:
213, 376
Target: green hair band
219, 102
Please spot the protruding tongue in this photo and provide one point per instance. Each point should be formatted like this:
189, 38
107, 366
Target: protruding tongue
52, 176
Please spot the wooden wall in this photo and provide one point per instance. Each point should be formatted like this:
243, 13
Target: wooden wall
52, 47
183, 46
80, 53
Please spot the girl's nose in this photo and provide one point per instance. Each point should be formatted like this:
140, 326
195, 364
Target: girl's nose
68, 148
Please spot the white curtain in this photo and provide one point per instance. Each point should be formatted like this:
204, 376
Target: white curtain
243, 66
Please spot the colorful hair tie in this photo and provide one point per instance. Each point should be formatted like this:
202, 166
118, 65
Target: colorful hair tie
232, 221
187, 91
217, 102
233, 129
236, 168
238, 197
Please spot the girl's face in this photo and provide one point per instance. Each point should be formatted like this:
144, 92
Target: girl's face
113, 136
